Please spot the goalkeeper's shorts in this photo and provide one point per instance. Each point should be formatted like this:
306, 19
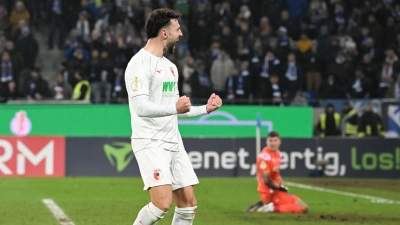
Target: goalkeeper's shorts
278, 197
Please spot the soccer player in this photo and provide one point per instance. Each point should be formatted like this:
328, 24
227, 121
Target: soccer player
155, 106
273, 193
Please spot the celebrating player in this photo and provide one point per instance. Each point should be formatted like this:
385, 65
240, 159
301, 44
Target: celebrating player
274, 194
155, 105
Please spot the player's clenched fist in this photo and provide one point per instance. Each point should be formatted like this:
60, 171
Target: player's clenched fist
183, 104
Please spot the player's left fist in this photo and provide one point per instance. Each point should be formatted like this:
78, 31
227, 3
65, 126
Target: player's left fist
213, 103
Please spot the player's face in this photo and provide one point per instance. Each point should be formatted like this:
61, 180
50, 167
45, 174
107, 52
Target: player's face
273, 143
174, 32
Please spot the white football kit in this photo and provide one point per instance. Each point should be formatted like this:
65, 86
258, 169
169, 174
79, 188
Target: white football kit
152, 85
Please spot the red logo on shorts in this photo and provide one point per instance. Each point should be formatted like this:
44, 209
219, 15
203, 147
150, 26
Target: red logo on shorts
157, 174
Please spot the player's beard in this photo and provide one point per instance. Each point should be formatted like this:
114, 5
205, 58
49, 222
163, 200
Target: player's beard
169, 47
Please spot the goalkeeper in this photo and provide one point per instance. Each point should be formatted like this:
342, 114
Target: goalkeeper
273, 193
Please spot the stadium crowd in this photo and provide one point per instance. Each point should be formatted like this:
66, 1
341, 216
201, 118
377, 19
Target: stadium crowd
247, 51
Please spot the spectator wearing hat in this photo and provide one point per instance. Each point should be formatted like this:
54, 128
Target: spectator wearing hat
329, 122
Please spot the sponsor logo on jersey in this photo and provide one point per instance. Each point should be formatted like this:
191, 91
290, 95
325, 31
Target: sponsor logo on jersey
168, 89
136, 84
158, 175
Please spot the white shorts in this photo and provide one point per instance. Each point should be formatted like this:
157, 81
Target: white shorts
160, 167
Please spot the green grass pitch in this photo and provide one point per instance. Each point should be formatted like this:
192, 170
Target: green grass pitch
116, 201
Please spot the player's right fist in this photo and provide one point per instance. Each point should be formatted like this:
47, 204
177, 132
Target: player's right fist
283, 188
183, 104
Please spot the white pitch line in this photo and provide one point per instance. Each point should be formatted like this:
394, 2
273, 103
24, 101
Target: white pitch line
57, 212
372, 198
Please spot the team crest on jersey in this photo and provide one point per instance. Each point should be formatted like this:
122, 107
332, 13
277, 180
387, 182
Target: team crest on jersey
158, 175
172, 71
263, 165
136, 84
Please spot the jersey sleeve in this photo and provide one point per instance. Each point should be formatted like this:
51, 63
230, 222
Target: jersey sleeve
137, 79
264, 164
194, 111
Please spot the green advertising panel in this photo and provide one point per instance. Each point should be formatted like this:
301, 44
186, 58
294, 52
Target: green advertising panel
114, 121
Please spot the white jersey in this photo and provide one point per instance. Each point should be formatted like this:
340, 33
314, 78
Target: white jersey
157, 78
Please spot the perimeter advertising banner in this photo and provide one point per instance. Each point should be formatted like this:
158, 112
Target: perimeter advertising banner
32, 156
114, 121
229, 157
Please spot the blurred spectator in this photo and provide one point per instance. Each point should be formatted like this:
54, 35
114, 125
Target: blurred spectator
299, 100
394, 90
386, 79
56, 13
272, 9
292, 78
5, 22
28, 47
329, 122
266, 31
370, 124
313, 67
350, 119
271, 92
199, 80
8, 91
7, 69
270, 65
330, 89
82, 26
78, 62
35, 87
361, 86
235, 86
103, 80
370, 71
119, 92
297, 9
220, 70
317, 13
16, 58
18, 13
60, 89
187, 71
82, 89
291, 24
342, 70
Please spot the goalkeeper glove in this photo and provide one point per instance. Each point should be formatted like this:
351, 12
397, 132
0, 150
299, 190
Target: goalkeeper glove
283, 188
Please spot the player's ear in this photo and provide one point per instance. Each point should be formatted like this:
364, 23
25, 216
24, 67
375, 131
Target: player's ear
164, 34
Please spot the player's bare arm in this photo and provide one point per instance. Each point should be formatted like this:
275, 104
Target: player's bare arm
268, 181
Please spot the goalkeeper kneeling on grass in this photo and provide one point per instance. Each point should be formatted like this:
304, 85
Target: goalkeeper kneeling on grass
274, 194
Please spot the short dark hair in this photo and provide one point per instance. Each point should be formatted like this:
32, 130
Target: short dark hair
158, 19
273, 134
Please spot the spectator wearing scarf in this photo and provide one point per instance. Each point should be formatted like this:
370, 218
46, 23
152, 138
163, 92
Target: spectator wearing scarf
6, 68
